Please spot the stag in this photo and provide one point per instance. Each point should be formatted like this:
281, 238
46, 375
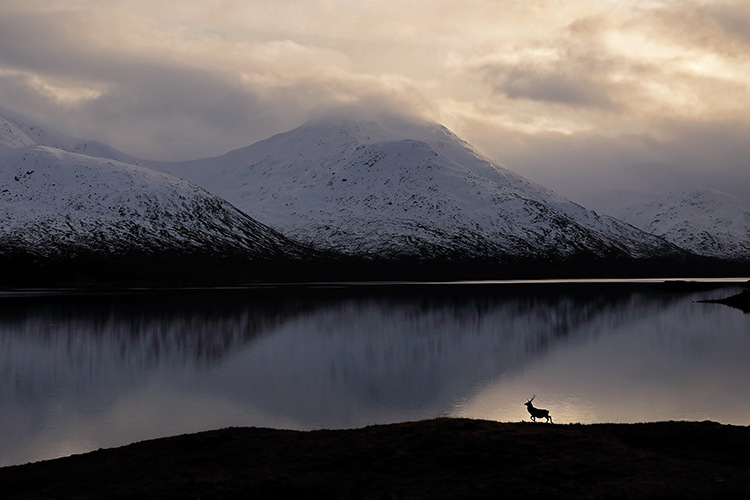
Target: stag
537, 412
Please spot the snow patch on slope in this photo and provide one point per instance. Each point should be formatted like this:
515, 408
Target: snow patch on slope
706, 221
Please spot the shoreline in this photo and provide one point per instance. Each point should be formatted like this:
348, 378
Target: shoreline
688, 284
439, 458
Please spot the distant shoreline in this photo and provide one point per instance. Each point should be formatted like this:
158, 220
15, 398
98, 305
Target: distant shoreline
440, 458
687, 283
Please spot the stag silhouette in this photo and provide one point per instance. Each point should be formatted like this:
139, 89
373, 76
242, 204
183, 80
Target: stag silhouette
537, 412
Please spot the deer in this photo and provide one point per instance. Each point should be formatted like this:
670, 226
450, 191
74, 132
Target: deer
537, 412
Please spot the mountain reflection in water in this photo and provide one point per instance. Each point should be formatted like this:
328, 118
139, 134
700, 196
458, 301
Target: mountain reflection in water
81, 372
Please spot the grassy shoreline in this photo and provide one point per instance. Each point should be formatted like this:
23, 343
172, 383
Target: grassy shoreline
440, 458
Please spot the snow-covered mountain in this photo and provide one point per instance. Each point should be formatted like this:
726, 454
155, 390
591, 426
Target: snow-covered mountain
391, 188
16, 131
705, 221
56, 204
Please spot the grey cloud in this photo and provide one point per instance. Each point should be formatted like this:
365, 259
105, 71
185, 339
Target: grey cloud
55, 45
578, 166
553, 86
178, 105
168, 107
733, 20
176, 113
157, 113
17, 91
188, 113
149, 105
575, 72
580, 68
722, 27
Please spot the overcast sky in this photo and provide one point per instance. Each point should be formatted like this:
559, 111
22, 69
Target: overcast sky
578, 95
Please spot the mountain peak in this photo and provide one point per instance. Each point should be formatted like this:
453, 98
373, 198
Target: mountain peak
391, 187
380, 127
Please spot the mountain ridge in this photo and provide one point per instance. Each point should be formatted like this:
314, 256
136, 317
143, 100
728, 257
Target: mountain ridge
16, 131
60, 208
334, 199
705, 221
363, 188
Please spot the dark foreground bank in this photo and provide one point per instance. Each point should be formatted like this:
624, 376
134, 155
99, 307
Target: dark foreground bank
443, 458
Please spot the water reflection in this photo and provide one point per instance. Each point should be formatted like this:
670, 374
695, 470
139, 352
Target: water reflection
683, 362
80, 372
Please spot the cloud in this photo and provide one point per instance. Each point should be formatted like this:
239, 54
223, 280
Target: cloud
562, 87
649, 98
734, 20
581, 166
571, 67
577, 95
183, 102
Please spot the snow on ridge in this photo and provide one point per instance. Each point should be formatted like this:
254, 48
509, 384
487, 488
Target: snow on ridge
16, 131
12, 136
385, 189
706, 221
53, 202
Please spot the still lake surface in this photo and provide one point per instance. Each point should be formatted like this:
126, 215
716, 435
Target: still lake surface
82, 371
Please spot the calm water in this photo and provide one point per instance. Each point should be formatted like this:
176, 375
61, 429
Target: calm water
81, 372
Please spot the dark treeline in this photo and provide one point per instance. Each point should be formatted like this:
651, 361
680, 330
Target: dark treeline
205, 269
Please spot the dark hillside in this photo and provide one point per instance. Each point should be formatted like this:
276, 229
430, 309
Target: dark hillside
443, 458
